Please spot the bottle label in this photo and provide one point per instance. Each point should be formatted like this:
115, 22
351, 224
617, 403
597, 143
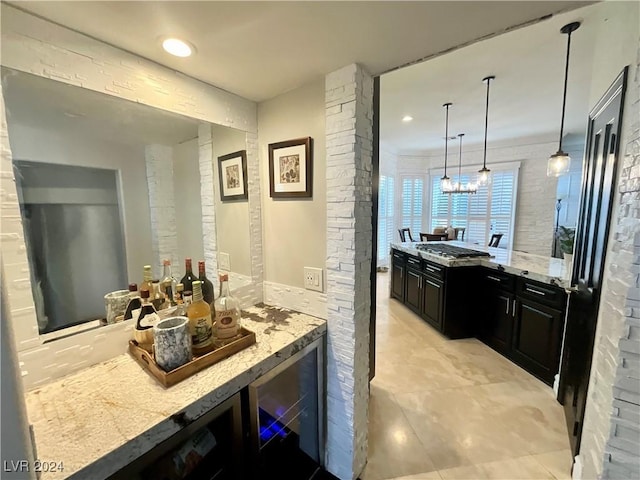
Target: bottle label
201, 331
149, 320
227, 324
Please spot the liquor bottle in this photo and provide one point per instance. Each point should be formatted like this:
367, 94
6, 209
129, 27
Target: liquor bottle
181, 307
227, 313
207, 286
179, 292
168, 282
147, 318
157, 297
134, 304
200, 325
189, 277
147, 279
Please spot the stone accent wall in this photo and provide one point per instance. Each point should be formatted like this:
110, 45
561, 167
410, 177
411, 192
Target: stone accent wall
296, 298
209, 233
255, 215
611, 434
164, 235
349, 107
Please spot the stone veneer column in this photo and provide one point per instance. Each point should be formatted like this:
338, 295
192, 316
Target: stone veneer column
611, 434
255, 215
164, 235
349, 113
207, 191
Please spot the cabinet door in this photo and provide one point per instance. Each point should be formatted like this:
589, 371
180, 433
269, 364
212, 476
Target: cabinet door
397, 281
497, 328
536, 338
413, 291
432, 301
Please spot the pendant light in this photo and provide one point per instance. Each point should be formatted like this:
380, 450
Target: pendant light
445, 181
458, 186
560, 161
484, 174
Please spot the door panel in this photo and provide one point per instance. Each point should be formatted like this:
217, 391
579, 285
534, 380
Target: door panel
413, 295
397, 281
600, 165
432, 307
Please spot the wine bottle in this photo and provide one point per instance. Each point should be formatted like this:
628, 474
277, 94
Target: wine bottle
157, 297
168, 282
189, 277
200, 326
207, 286
134, 304
147, 318
227, 309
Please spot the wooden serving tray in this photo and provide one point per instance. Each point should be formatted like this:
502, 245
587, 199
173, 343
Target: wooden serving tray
167, 379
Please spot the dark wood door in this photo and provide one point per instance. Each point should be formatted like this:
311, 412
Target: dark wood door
432, 301
599, 174
536, 338
413, 292
397, 281
497, 328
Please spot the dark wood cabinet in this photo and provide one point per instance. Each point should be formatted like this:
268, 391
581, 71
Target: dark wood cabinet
536, 338
413, 290
398, 266
432, 301
497, 328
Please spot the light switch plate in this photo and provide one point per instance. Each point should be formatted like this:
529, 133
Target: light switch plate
313, 279
224, 263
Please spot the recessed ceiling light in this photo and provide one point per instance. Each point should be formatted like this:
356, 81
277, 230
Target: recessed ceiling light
177, 47
407, 118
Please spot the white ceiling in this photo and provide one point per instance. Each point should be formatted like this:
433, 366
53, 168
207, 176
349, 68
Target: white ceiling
42, 103
259, 50
525, 97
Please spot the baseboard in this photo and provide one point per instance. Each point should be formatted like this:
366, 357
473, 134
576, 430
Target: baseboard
295, 298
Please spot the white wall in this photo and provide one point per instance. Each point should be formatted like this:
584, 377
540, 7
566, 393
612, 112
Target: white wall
66, 148
186, 184
232, 217
294, 229
535, 207
611, 437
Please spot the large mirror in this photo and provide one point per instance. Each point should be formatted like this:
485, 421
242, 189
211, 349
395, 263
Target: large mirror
107, 186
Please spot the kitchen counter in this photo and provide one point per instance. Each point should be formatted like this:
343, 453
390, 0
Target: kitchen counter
100, 419
536, 267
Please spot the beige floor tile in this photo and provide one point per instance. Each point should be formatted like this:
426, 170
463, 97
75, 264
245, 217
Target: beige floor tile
421, 476
557, 463
467, 410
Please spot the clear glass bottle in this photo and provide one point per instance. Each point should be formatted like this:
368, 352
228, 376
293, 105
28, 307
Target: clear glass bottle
147, 279
168, 282
200, 325
157, 297
228, 314
207, 286
189, 277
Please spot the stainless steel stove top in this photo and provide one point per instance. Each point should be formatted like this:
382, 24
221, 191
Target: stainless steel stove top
450, 251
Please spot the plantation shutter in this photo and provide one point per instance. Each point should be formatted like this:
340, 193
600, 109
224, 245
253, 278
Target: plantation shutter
412, 195
386, 217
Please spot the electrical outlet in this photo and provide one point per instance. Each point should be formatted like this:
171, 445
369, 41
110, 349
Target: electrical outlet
313, 279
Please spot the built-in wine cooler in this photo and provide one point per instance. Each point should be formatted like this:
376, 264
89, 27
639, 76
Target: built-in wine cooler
286, 407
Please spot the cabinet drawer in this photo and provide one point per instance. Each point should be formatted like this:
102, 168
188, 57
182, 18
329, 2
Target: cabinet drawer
414, 262
433, 269
500, 280
543, 293
399, 257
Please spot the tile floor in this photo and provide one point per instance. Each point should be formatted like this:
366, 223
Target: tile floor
454, 409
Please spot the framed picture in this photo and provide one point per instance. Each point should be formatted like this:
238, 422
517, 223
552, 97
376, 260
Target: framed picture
291, 168
232, 171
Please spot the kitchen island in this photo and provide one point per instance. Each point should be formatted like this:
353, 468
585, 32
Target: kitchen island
514, 302
99, 420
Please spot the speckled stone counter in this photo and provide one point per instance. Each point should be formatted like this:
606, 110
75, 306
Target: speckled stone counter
100, 419
536, 267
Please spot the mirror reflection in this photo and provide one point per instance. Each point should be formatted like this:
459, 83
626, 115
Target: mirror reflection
107, 186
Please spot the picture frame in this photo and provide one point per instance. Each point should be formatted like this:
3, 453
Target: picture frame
291, 168
232, 173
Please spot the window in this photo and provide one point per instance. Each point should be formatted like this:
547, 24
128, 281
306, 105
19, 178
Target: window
412, 199
386, 218
489, 211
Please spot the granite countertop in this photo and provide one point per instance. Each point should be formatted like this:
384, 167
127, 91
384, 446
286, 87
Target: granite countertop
536, 267
98, 420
